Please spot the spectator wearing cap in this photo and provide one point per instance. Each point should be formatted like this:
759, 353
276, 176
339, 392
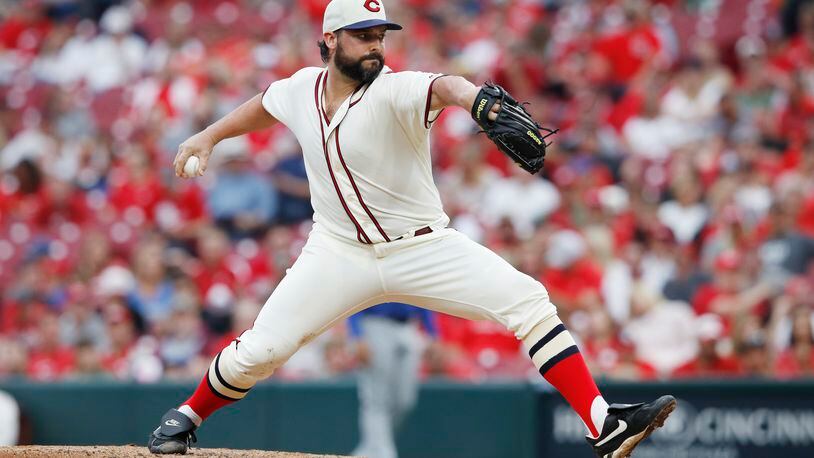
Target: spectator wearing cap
118, 54
715, 354
242, 202
115, 280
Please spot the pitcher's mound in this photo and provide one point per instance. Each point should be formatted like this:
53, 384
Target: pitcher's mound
101, 451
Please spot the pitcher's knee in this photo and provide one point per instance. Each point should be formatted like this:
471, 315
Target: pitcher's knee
258, 356
529, 313
245, 361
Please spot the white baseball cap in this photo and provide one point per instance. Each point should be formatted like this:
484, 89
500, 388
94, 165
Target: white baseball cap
355, 14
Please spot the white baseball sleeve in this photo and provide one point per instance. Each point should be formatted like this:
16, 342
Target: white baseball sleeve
411, 95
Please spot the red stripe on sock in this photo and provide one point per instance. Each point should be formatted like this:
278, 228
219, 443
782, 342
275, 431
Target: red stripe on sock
204, 401
573, 380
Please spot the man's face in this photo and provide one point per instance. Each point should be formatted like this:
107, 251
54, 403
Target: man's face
360, 53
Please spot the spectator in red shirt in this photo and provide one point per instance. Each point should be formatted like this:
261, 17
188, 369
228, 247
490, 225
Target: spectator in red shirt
49, 360
732, 292
491, 348
122, 334
632, 48
135, 188
608, 353
715, 358
25, 28
573, 280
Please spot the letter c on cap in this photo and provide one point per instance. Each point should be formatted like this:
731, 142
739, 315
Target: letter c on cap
373, 5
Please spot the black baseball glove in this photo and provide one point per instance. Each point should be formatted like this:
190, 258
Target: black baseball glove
514, 131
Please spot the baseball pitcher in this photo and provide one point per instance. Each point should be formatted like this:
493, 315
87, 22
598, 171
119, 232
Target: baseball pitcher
380, 233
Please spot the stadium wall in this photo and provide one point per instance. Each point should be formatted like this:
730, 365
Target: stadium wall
513, 420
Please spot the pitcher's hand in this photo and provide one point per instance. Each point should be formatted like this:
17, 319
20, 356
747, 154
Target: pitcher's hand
201, 145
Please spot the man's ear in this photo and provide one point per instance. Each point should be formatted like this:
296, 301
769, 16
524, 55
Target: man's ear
330, 39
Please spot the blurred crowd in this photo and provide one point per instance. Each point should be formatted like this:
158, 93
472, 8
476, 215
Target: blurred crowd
672, 225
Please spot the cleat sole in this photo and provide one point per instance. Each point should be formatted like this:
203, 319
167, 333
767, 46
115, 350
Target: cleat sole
626, 449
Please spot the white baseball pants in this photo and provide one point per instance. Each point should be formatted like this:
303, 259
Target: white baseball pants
334, 278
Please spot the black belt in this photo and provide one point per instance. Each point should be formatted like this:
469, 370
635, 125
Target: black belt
422, 231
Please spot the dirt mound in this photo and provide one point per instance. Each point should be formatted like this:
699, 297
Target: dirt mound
99, 451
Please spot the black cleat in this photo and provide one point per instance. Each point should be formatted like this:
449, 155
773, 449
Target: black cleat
174, 435
628, 424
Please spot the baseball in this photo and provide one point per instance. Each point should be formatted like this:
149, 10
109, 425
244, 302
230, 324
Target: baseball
191, 166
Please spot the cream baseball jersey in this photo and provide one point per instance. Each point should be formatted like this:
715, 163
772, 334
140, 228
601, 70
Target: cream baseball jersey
369, 168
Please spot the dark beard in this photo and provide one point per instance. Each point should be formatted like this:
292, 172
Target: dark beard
354, 69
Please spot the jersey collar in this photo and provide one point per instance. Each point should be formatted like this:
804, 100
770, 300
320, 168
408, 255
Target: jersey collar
343, 110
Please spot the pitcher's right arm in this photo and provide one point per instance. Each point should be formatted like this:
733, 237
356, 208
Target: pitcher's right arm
249, 117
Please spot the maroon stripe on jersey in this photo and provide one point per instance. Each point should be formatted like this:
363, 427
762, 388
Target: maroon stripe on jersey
353, 183
360, 97
331, 172
427, 121
319, 105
